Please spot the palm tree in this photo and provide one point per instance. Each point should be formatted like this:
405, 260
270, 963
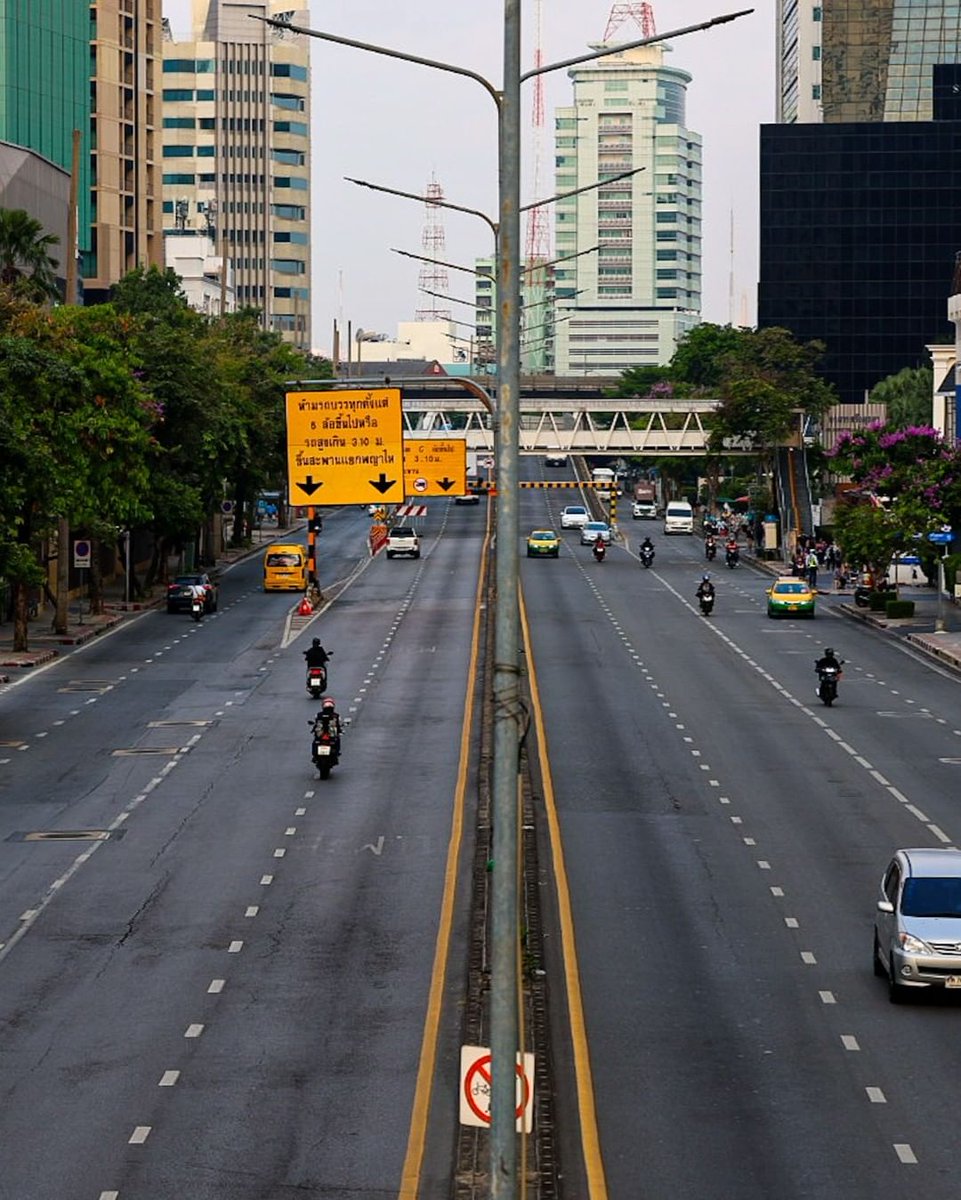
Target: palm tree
25, 263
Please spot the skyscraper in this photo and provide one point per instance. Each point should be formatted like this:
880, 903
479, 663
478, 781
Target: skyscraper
635, 288
236, 151
90, 68
862, 60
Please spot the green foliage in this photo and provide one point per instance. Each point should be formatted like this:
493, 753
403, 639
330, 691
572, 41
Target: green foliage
952, 567
868, 535
703, 355
908, 396
26, 267
897, 609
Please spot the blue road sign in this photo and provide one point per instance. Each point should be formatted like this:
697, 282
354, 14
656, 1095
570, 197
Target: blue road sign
941, 538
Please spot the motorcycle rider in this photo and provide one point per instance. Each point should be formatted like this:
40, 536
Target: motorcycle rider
710, 547
599, 549
328, 721
828, 659
731, 549
646, 547
705, 588
316, 655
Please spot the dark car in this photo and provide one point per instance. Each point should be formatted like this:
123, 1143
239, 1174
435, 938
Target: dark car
178, 592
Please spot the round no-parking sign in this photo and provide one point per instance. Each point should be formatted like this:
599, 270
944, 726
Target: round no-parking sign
81, 552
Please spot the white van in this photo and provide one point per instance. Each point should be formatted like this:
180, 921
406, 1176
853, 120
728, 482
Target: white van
678, 517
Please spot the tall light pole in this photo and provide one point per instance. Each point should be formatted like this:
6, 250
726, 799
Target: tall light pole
509, 717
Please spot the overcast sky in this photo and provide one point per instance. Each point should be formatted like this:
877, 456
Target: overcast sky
399, 125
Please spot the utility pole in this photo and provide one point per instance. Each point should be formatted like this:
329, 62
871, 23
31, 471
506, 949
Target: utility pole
62, 614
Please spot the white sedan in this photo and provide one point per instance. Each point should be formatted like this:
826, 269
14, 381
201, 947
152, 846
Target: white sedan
574, 516
595, 531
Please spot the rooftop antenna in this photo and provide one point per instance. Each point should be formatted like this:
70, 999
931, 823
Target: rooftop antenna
433, 276
642, 13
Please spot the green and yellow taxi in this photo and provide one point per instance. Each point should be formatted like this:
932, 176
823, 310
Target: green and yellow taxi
790, 596
543, 543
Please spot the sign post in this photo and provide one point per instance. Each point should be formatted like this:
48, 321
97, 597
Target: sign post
475, 1088
81, 560
941, 537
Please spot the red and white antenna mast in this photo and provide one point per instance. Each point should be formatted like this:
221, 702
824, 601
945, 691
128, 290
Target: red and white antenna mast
538, 247
432, 276
642, 13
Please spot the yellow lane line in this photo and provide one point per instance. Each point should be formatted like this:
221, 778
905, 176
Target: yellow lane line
590, 1141
417, 1136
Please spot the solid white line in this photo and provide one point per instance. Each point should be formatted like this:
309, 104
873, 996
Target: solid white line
776, 891
279, 853
764, 864
109, 1196
808, 958
216, 987
139, 1135
266, 880
168, 1078
916, 812
905, 1153
939, 834
252, 910
193, 1031
749, 842
827, 998
791, 922
235, 947
290, 830
849, 1041
898, 795
875, 1095
299, 812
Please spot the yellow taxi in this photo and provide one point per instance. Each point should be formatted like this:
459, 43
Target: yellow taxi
543, 543
790, 596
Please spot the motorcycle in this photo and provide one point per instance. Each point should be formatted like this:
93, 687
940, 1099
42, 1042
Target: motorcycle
827, 689
197, 608
707, 602
647, 556
599, 550
316, 681
733, 557
325, 748
710, 549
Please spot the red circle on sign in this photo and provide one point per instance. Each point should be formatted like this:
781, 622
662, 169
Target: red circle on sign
480, 1068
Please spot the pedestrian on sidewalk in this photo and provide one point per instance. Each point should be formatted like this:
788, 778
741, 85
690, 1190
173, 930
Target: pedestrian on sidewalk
811, 562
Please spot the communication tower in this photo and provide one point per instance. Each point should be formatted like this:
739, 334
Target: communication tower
642, 13
433, 276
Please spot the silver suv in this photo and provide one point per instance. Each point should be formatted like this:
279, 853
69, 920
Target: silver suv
917, 925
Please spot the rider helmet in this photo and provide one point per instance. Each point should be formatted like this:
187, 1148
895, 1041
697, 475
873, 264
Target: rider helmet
829, 652
315, 642
705, 578
328, 706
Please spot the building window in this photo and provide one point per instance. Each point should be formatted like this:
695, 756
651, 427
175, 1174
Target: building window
293, 158
180, 179
179, 123
206, 94
816, 13
205, 66
289, 212
816, 53
207, 178
168, 206
285, 100
178, 94
815, 91
179, 66
300, 239
287, 266
297, 127
289, 71
291, 181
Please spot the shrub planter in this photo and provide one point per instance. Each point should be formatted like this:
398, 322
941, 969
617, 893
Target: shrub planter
878, 601
895, 609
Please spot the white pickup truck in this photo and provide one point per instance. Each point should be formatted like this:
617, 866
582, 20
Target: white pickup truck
403, 540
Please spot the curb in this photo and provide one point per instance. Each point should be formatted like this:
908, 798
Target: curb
32, 658
945, 656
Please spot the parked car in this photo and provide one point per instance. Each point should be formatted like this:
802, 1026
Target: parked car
467, 498
178, 592
594, 531
555, 458
574, 516
917, 922
543, 543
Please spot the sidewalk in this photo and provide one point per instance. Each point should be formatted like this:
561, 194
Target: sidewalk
83, 626
919, 631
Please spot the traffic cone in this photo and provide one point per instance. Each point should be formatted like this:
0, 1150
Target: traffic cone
305, 608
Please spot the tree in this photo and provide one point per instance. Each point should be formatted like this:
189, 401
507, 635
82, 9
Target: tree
25, 263
868, 534
907, 395
702, 355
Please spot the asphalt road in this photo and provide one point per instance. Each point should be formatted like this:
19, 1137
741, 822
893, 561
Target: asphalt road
227, 997
724, 835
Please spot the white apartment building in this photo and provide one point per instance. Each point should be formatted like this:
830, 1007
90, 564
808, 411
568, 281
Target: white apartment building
236, 152
628, 302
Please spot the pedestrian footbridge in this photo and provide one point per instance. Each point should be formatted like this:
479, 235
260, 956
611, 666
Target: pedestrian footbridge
629, 427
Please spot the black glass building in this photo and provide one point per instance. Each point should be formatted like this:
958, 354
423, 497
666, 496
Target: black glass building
859, 227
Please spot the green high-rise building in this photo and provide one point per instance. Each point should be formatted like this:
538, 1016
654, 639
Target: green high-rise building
45, 71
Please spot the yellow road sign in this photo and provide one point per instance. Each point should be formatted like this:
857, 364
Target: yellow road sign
345, 447
435, 466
